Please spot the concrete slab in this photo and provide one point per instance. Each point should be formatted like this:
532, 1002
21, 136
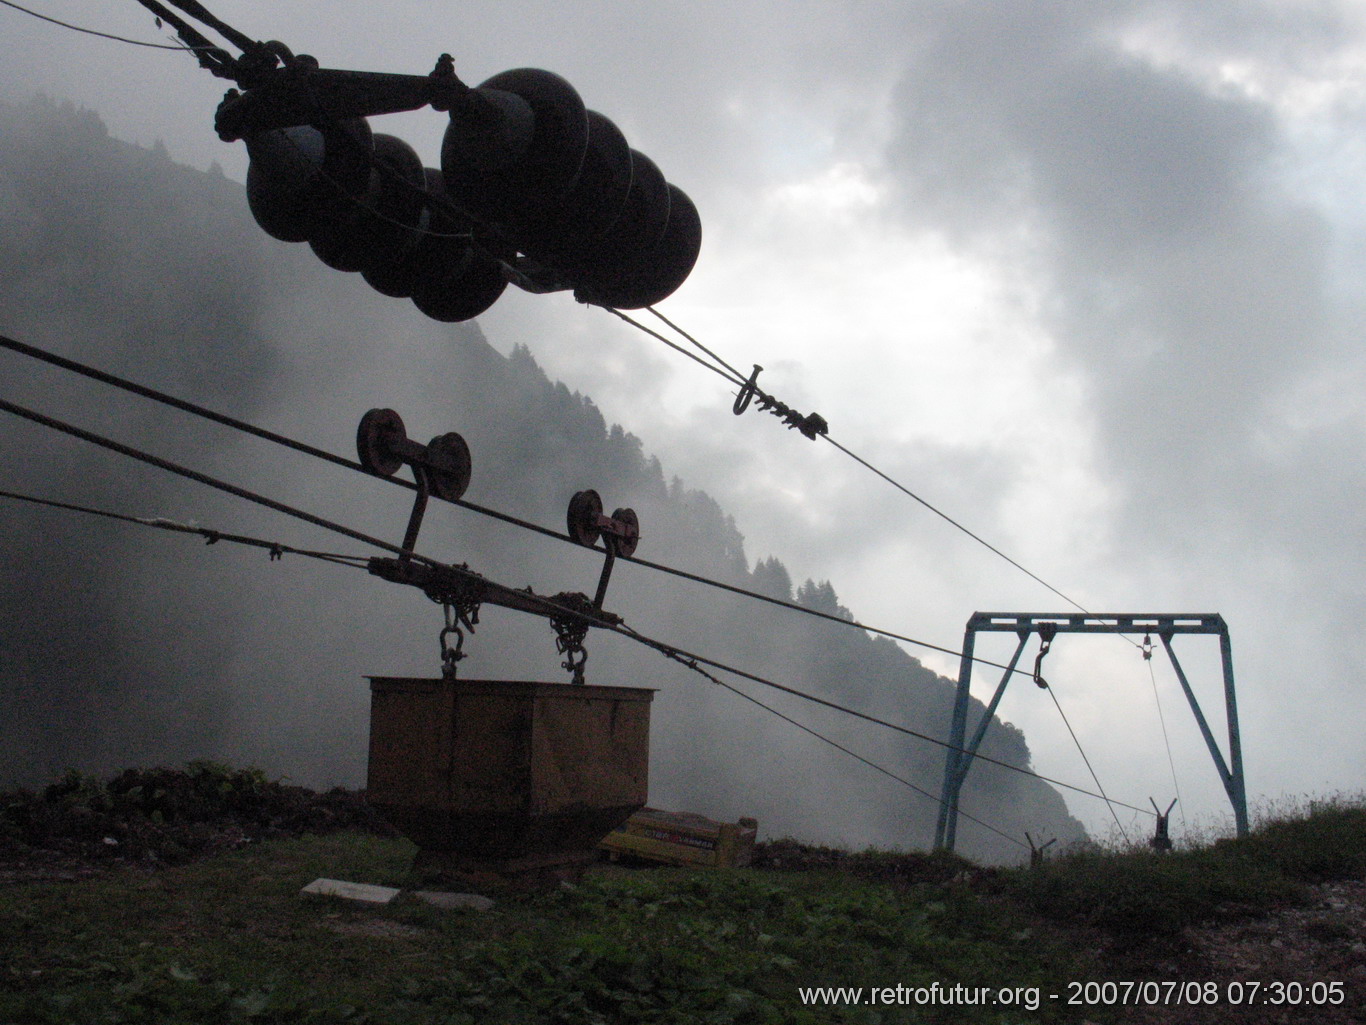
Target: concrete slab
450, 901
351, 891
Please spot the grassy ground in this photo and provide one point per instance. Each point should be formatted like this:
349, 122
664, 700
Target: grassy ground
228, 937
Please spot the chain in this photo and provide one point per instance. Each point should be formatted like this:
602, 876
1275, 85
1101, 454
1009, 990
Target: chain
458, 613
570, 631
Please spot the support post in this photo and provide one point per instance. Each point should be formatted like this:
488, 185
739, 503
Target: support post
947, 825
1232, 778
1238, 795
956, 770
959, 756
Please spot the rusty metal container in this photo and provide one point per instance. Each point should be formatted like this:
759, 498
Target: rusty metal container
506, 781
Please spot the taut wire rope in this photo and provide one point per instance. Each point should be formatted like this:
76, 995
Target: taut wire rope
547, 604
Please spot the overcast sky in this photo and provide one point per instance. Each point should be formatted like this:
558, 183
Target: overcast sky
1084, 275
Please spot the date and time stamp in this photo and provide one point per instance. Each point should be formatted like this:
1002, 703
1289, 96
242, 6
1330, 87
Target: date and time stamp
1251, 993
1090, 994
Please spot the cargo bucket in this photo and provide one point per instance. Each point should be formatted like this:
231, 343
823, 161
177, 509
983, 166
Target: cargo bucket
506, 781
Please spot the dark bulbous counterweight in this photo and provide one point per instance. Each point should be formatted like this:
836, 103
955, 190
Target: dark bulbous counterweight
533, 189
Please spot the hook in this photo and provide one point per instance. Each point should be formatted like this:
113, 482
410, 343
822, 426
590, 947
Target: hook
455, 616
1047, 631
747, 392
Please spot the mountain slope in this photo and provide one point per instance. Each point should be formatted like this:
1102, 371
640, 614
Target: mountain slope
124, 645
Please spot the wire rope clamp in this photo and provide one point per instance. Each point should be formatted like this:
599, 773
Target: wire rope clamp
747, 391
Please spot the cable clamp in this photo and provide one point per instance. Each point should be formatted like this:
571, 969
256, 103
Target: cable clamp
810, 425
747, 392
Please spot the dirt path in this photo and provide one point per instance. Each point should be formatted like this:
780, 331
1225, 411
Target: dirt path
1316, 950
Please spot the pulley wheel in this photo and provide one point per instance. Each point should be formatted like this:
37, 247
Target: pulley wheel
584, 509
379, 430
627, 545
449, 466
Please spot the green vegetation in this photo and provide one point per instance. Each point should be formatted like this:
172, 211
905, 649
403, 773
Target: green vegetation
227, 937
230, 939
1137, 894
169, 816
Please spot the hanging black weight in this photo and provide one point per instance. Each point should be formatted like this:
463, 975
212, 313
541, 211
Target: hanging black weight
462, 292
442, 245
376, 227
284, 164
515, 145
644, 215
573, 229
637, 278
297, 173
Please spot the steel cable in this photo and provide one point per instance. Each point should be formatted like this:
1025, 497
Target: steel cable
1094, 778
276, 549
840, 747
93, 32
547, 605
194, 409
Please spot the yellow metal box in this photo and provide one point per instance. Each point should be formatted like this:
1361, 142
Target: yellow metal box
681, 838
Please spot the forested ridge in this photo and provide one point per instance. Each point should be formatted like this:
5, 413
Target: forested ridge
120, 648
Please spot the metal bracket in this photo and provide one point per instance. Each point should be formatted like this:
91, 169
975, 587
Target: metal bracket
1047, 631
1037, 854
298, 92
1161, 841
442, 468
